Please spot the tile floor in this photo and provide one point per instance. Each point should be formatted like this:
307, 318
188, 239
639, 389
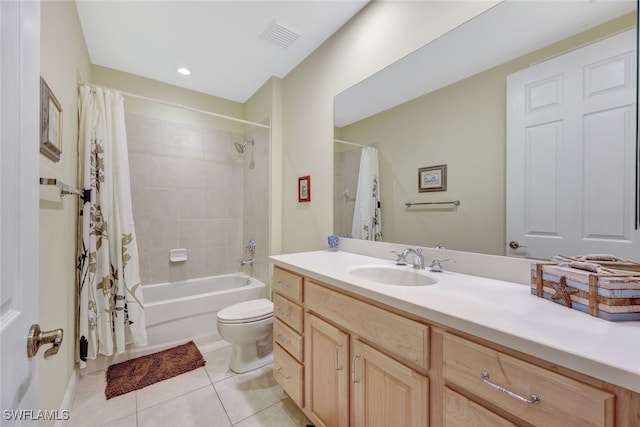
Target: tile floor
208, 396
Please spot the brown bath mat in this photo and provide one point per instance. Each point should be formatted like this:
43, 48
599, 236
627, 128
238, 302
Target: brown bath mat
137, 373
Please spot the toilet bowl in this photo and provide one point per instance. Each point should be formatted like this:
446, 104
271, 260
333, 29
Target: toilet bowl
248, 327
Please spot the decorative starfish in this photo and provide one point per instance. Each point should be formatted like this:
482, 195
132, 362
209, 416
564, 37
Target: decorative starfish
563, 291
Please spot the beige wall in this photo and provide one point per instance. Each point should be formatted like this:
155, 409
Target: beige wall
463, 126
64, 61
157, 90
380, 34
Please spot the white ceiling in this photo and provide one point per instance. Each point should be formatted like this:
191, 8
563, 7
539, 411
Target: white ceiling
219, 41
502, 33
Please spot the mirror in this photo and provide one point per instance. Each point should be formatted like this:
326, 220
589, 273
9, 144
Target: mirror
445, 104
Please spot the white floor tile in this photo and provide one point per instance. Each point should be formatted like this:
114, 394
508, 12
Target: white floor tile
282, 414
252, 399
197, 408
244, 395
218, 364
91, 407
130, 421
171, 388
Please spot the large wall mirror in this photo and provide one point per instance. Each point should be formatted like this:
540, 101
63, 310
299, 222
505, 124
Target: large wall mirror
447, 104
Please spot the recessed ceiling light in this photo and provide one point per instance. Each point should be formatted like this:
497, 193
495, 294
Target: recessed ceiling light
184, 71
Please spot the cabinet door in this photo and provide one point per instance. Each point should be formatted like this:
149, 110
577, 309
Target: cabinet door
327, 373
386, 392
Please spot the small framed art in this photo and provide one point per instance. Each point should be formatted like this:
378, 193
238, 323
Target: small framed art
304, 189
432, 178
50, 123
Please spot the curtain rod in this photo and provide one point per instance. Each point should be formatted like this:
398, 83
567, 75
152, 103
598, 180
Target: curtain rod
173, 104
349, 143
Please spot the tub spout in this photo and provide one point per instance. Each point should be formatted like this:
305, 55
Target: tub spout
246, 262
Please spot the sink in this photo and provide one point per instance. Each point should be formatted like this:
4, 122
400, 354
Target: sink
398, 276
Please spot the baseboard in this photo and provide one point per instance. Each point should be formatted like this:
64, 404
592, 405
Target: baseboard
69, 395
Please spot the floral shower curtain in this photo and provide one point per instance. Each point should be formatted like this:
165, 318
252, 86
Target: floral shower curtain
367, 221
111, 312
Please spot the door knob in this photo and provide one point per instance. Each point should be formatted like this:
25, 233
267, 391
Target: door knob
38, 338
515, 245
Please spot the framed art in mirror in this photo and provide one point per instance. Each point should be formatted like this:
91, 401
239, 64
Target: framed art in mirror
432, 178
304, 189
50, 123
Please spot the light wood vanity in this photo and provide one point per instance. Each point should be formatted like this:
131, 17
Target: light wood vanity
348, 359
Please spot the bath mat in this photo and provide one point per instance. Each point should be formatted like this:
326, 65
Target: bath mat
140, 372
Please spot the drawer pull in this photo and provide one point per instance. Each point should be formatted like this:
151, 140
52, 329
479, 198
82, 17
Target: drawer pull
284, 285
354, 379
533, 399
338, 367
283, 340
286, 377
282, 312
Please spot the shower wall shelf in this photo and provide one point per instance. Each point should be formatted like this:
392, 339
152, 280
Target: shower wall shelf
65, 189
410, 204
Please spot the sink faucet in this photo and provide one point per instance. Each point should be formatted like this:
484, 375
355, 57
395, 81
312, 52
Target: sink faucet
436, 265
418, 258
402, 257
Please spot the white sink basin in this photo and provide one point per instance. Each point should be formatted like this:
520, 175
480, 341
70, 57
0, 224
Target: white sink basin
398, 276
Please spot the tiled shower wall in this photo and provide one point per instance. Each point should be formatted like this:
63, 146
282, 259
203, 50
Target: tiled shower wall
187, 192
346, 168
256, 202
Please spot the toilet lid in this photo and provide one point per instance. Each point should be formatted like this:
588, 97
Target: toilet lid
247, 311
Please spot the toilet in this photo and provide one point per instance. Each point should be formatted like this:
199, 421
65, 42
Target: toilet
248, 327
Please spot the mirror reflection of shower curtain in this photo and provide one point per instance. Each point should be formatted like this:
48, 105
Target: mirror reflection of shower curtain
367, 221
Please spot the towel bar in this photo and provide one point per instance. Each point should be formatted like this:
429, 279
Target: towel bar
455, 203
64, 188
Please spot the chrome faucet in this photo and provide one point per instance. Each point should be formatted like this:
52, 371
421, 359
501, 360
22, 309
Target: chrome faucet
436, 265
402, 257
418, 258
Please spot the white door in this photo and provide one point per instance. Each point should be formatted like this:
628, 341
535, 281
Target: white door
19, 154
571, 149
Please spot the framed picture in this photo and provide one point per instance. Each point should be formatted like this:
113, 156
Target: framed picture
50, 123
432, 178
304, 189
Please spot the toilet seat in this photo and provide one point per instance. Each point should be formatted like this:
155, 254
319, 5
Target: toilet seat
247, 311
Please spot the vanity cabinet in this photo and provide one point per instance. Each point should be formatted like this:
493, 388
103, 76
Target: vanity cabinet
351, 379
288, 322
349, 360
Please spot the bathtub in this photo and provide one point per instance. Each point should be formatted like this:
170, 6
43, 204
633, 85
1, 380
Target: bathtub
176, 312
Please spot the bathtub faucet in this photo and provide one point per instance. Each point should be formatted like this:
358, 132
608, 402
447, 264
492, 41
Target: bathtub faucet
246, 262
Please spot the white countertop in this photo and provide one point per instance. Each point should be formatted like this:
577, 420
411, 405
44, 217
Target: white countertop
503, 312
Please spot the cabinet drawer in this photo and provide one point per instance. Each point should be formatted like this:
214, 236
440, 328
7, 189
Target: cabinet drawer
287, 284
563, 401
402, 337
289, 339
288, 312
462, 412
288, 372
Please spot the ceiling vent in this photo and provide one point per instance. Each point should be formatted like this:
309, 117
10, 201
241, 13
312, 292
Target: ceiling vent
279, 35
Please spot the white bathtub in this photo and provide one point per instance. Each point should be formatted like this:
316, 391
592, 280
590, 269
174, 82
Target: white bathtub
176, 312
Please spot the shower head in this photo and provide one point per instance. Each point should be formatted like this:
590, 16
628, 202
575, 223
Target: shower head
240, 146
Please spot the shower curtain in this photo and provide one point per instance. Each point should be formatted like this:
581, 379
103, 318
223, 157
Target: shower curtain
111, 312
367, 221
